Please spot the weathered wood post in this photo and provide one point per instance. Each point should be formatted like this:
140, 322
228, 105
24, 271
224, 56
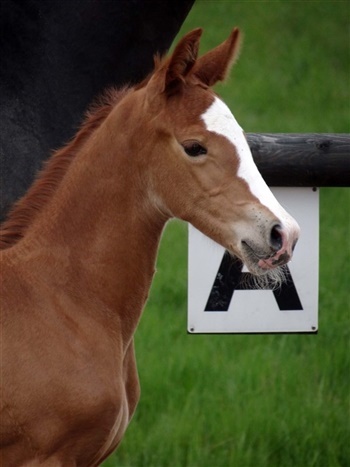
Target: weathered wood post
310, 159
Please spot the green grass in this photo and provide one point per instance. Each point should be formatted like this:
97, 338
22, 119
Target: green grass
271, 400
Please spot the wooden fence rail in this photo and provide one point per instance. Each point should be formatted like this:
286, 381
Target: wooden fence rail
307, 159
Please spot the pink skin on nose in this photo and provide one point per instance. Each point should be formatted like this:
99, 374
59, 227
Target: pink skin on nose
282, 256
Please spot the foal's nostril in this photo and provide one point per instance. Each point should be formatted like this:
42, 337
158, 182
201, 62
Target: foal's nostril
276, 239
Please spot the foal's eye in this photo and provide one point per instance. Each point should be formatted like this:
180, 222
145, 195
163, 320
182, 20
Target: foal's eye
193, 148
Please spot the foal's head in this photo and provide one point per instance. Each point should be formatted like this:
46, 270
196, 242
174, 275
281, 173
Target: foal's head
201, 167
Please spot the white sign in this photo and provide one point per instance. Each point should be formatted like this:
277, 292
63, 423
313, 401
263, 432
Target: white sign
220, 299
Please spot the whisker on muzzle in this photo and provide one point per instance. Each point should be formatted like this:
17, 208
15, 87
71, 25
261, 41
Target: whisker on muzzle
271, 279
262, 279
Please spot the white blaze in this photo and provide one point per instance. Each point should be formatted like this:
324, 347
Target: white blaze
219, 119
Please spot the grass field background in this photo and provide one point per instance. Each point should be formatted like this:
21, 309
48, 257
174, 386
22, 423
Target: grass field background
267, 400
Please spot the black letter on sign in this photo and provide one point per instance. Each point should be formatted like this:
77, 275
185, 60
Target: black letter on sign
230, 278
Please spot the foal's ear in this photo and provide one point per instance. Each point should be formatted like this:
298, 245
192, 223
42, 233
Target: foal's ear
172, 74
215, 65
183, 59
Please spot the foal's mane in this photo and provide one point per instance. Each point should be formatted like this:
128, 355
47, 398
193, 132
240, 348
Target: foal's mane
49, 178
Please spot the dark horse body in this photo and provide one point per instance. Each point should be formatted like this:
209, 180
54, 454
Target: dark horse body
56, 56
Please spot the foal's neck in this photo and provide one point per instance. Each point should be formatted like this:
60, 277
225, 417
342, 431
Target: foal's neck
100, 231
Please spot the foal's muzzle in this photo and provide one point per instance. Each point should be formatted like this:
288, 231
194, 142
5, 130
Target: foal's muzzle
282, 243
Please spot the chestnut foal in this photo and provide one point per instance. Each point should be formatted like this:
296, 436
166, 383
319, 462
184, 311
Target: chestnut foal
79, 250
